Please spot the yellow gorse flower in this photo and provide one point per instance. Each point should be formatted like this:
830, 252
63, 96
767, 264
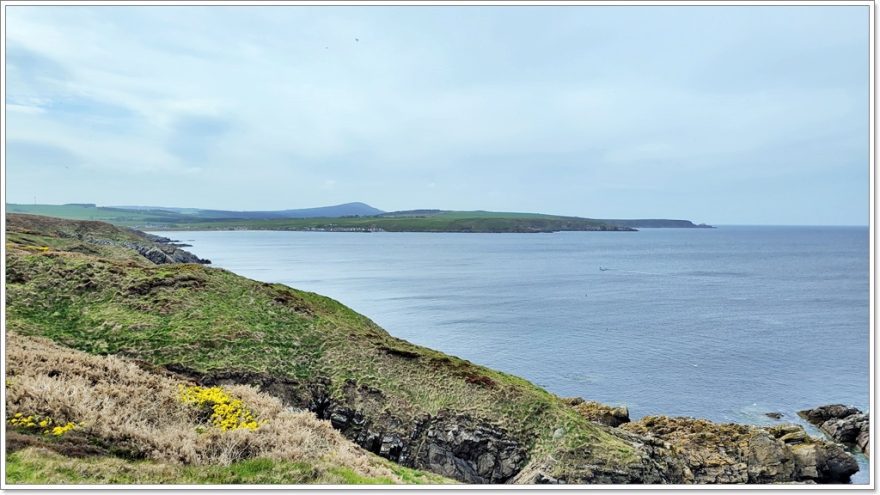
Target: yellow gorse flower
61, 430
34, 422
227, 413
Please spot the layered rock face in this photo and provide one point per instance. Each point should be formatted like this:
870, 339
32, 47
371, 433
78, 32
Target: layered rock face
735, 453
842, 423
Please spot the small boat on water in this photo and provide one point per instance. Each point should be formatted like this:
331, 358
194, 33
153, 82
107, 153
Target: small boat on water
603, 269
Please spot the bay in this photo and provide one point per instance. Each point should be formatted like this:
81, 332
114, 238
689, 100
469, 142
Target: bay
725, 324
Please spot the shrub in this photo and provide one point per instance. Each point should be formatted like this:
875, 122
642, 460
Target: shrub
33, 422
227, 413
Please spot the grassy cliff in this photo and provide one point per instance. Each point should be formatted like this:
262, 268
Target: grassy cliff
79, 418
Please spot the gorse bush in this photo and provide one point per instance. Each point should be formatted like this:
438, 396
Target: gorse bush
227, 413
110, 401
47, 425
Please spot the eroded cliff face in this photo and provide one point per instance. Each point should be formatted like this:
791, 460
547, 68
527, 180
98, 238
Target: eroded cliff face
665, 450
466, 448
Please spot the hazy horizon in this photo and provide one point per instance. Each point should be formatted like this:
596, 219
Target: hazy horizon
865, 225
746, 115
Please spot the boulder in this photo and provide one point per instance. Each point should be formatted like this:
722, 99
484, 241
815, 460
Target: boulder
844, 424
821, 414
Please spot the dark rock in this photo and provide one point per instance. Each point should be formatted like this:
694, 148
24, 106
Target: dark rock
153, 254
543, 479
846, 429
843, 424
863, 440
821, 414
159, 254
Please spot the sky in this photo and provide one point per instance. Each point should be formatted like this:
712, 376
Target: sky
717, 114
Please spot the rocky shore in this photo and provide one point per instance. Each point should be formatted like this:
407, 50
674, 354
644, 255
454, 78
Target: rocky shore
736, 453
845, 424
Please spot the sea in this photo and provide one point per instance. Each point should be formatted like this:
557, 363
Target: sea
726, 324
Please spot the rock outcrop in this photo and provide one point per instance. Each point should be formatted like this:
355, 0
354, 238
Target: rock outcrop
466, 449
157, 249
844, 424
161, 254
601, 413
670, 450
735, 453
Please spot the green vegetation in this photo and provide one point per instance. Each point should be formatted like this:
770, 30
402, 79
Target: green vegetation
126, 413
33, 466
116, 216
457, 221
418, 221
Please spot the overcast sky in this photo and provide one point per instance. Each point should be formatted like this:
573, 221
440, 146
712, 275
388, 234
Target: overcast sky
726, 115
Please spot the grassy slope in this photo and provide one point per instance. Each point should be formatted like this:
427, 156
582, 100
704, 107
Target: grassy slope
114, 432
112, 215
209, 319
34, 466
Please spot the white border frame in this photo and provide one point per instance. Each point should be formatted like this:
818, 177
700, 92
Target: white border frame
872, 233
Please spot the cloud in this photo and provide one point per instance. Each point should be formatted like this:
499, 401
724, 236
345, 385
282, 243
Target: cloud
535, 104
196, 138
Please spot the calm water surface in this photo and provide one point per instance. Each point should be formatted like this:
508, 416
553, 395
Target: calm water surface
725, 323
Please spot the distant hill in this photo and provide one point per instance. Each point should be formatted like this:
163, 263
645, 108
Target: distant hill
343, 210
136, 216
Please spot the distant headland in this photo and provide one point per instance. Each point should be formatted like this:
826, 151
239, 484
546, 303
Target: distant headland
348, 217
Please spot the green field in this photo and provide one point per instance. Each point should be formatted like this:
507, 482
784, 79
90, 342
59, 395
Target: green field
116, 216
443, 221
459, 221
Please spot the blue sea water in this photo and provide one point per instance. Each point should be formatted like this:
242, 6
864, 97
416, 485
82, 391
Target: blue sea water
725, 324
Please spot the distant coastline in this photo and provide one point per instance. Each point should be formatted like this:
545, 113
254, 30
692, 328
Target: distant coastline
349, 217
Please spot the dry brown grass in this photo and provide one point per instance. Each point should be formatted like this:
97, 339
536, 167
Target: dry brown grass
116, 402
